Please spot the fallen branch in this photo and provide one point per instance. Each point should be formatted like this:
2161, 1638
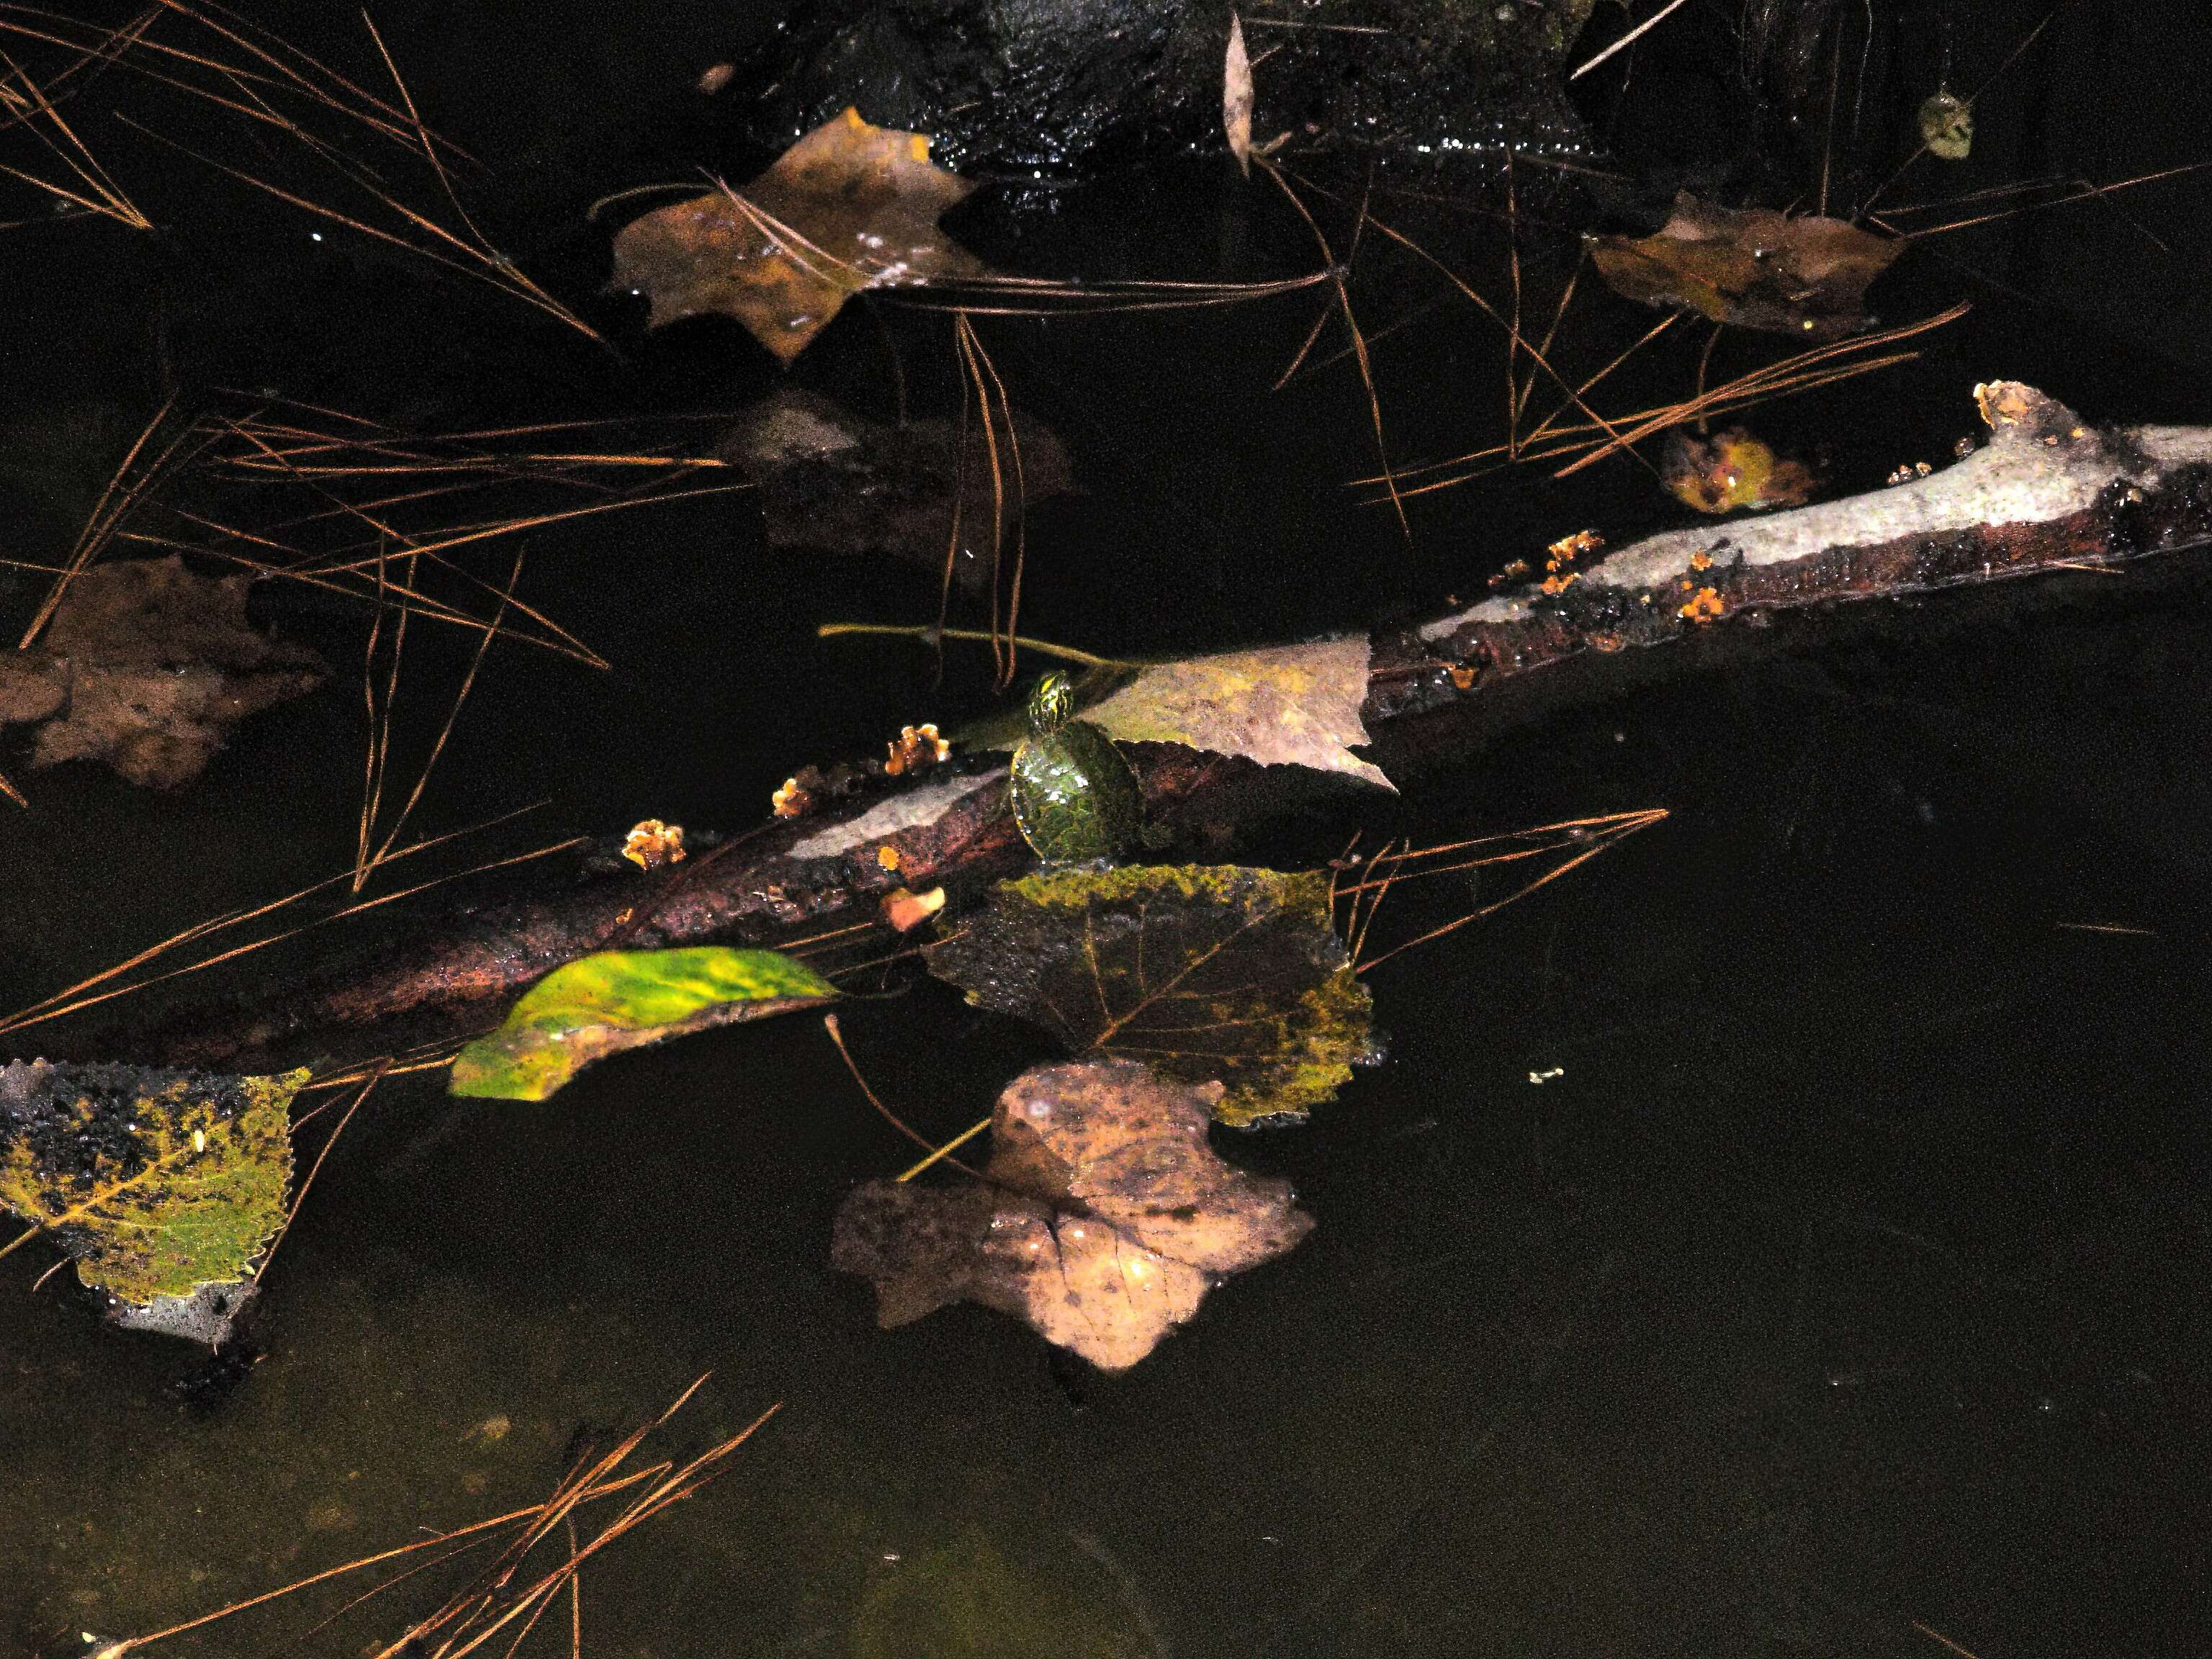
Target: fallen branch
2046, 492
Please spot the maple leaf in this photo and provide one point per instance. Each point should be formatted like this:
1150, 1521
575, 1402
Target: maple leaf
850, 207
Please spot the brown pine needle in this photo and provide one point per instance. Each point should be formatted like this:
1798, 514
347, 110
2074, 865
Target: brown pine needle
948, 1149
837, 1036
378, 1071
107, 513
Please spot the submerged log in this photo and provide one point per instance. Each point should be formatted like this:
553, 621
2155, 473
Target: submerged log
2046, 492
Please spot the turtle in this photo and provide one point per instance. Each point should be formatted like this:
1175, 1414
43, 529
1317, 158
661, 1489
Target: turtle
1074, 797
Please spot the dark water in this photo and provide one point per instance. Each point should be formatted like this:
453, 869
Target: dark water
1845, 1274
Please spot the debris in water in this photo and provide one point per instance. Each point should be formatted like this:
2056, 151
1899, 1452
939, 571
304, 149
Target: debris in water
1103, 1218
147, 666
847, 208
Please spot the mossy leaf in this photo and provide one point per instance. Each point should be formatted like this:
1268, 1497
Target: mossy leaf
157, 1181
600, 1004
1201, 971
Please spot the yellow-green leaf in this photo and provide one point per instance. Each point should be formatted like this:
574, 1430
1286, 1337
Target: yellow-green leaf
157, 1181
1201, 971
600, 1004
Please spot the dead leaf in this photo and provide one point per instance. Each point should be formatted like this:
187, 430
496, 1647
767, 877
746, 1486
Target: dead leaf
848, 207
1284, 705
906, 910
1753, 268
1236, 97
147, 666
1103, 1218
832, 481
1732, 471
1207, 972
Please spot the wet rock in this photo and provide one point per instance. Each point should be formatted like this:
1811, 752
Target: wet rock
1048, 89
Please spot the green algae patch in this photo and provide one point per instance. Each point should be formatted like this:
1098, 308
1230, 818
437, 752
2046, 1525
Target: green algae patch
157, 1182
602, 1004
1204, 972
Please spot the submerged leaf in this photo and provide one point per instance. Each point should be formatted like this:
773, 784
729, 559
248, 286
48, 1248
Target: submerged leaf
1284, 705
965, 1601
1731, 472
147, 665
1203, 971
848, 207
1103, 1218
602, 1004
1754, 268
157, 1181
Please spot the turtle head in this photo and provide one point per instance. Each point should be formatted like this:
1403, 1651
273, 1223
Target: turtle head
1051, 703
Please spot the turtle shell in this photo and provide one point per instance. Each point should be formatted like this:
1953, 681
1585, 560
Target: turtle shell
1074, 797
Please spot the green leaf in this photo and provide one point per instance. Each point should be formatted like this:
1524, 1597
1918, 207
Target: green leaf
600, 1004
1201, 971
157, 1181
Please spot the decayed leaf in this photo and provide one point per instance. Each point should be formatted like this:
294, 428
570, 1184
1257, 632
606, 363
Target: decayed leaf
832, 481
1205, 972
1733, 471
147, 666
848, 207
1103, 1218
1754, 268
1236, 97
602, 1004
157, 1182
1283, 705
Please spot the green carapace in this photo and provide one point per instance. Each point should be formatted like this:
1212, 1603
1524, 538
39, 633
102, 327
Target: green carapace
1073, 795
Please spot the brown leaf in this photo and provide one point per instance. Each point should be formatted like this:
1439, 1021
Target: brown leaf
1103, 1218
848, 207
147, 666
1753, 268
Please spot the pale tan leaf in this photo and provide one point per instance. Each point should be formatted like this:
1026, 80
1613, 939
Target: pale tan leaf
1281, 705
1236, 97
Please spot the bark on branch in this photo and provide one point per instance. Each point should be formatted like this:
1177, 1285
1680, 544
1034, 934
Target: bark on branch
2046, 492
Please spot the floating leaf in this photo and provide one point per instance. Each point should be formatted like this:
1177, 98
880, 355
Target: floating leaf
600, 1004
848, 207
1103, 1218
1754, 268
1284, 705
1202, 971
1731, 472
157, 1181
